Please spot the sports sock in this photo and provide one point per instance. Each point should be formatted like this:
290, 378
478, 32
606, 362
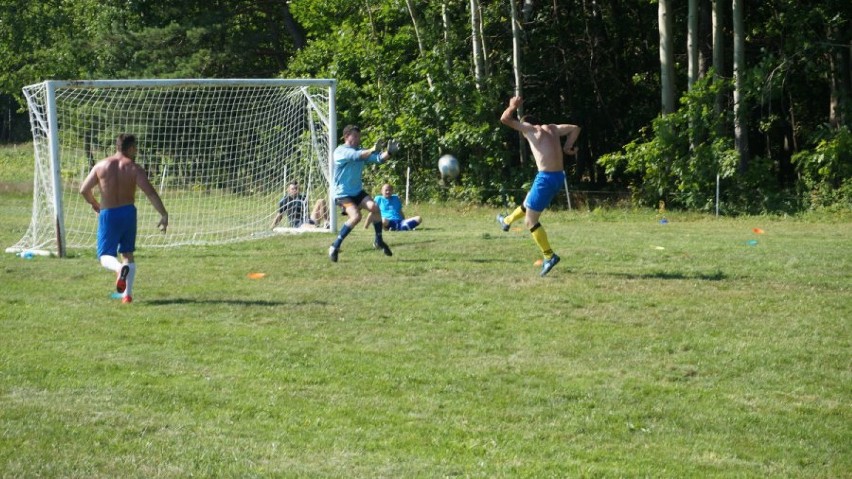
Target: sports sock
519, 213
344, 232
131, 275
377, 225
111, 263
540, 238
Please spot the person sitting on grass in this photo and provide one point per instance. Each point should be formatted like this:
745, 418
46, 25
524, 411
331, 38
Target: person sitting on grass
390, 207
293, 205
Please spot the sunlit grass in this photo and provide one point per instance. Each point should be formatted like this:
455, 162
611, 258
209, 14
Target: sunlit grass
697, 348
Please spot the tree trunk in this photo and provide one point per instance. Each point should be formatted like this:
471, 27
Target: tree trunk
297, 33
740, 121
692, 61
705, 37
419, 40
666, 58
516, 49
445, 18
692, 43
475, 21
485, 68
718, 50
516, 67
839, 100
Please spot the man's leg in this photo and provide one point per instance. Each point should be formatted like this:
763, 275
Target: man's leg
354, 214
376, 219
130, 276
506, 221
538, 233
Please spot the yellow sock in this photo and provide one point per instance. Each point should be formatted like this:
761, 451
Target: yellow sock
540, 238
515, 216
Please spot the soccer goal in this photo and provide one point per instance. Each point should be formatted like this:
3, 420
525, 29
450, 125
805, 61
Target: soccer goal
219, 152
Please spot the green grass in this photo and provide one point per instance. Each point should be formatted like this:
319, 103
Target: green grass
652, 350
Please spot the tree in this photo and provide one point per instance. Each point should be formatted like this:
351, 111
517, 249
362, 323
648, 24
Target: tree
667, 71
476, 41
740, 122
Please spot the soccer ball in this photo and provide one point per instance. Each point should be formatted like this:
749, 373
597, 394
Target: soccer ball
448, 165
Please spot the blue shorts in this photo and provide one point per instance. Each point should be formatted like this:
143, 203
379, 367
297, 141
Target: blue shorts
117, 230
544, 188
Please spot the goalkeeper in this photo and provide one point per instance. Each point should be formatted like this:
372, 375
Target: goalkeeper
349, 160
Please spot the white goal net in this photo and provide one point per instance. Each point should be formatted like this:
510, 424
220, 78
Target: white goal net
219, 152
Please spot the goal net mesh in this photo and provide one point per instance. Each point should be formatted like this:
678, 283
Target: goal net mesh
220, 156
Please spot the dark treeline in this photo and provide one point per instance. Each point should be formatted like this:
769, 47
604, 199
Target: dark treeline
436, 75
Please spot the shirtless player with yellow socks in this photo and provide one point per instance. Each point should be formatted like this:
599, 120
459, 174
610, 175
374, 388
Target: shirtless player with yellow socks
545, 145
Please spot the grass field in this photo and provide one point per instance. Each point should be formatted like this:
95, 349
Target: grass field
676, 350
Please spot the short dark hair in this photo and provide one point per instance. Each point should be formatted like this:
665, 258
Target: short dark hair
531, 119
349, 129
124, 142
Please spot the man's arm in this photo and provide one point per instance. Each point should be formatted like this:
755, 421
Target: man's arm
153, 197
366, 155
571, 132
508, 116
87, 187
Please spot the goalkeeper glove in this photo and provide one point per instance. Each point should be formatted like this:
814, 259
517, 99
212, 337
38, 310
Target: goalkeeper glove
380, 144
393, 146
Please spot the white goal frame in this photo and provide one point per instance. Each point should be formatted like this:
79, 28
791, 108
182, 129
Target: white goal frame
59, 170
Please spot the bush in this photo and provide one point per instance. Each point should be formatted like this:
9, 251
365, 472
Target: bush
826, 171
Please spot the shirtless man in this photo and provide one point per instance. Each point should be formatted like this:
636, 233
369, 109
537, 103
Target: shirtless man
544, 143
117, 178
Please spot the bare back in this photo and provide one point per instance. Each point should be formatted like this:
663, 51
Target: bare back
117, 179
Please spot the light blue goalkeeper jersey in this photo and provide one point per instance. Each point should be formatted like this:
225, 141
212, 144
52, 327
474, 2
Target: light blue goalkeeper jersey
348, 167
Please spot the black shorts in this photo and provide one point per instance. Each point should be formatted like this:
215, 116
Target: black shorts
345, 201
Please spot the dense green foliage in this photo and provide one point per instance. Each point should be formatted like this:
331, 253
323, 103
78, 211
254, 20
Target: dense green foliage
590, 63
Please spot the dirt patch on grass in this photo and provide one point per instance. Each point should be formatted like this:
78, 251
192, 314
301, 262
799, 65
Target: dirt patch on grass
16, 187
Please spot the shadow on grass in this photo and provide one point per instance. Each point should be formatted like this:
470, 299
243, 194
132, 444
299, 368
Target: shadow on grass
666, 275
232, 302
674, 275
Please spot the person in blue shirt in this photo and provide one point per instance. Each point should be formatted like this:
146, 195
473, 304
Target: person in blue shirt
390, 206
349, 161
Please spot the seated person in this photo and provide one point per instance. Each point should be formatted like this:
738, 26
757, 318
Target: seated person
293, 205
319, 216
391, 208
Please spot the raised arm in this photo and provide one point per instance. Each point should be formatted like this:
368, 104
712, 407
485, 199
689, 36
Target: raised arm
508, 116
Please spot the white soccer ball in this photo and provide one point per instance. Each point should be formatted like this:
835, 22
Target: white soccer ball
448, 165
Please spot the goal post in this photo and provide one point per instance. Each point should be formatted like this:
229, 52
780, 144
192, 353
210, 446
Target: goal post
220, 153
